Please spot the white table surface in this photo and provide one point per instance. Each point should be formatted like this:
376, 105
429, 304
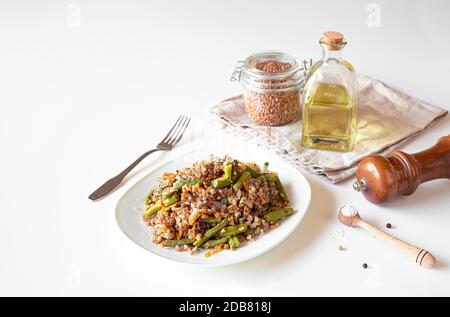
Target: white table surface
86, 86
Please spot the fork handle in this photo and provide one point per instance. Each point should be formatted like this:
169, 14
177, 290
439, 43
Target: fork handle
112, 184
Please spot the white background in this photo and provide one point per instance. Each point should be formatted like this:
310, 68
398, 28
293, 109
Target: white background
86, 86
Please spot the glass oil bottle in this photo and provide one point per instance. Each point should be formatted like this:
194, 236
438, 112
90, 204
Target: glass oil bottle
330, 98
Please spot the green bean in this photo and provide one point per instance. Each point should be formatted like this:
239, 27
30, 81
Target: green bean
210, 219
278, 214
237, 243
171, 200
234, 241
280, 187
213, 243
148, 198
235, 176
210, 233
234, 173
172, 243
170, 193
221, 182
227, 170
225, 179
240, 182
249, 231
181, 182
253, 172
178, 185
155, 208
262, 178
228, 161
233, 230
265, 167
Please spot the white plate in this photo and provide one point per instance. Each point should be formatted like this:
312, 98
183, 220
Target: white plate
297, 188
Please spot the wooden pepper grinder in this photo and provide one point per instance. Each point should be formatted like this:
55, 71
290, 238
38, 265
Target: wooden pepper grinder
380, 178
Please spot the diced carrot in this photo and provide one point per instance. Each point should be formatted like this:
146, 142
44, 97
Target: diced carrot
214, 251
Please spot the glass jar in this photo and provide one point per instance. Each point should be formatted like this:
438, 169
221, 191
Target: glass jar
272, 83
330, 97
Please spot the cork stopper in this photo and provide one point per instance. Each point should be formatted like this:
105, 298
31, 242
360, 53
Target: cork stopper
333, 40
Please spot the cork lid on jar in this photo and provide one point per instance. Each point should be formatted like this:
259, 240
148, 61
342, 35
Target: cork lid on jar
333, 40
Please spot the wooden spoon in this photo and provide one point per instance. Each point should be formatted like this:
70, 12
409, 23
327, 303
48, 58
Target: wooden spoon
349, 216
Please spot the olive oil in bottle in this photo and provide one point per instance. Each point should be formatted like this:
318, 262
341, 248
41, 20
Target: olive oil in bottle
329, 109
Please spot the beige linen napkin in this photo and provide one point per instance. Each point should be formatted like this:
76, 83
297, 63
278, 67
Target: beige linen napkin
387, 118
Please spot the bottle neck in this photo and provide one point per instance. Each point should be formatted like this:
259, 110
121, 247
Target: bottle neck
328, 54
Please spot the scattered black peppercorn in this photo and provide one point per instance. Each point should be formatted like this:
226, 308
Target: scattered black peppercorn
388, 225
365, 265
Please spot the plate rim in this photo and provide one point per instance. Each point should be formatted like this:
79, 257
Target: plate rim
241, 259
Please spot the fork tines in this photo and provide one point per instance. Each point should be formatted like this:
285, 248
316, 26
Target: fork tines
176, 133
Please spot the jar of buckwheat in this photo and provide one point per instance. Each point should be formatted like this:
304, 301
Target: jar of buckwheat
272, 83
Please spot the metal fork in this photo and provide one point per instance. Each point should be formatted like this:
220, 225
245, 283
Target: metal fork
172, 138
